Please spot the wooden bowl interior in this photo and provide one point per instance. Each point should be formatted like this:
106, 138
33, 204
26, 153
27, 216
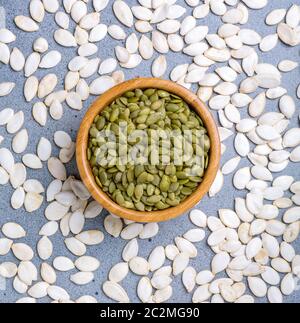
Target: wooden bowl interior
86, 172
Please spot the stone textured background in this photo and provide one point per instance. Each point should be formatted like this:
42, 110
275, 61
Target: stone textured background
109, 252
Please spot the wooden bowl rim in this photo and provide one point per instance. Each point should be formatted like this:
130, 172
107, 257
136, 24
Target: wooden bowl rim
85, 170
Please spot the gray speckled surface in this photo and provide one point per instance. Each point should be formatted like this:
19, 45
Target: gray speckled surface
109, 252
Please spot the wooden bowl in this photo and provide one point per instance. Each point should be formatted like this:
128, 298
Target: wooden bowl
86, 172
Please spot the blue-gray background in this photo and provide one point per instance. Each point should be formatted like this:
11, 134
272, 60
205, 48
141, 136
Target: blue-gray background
109, 252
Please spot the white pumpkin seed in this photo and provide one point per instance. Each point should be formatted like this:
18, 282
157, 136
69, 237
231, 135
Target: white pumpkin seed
171, 252
189, 279
159, 66
40, 45
288, 285
293, 16
56, 168
57, 293
27, 272
118, 272
150, 230
196, 35
201, 294
268, 43
156, 258
204, 277
241, 178
75, 246
82, 278
5, 116
139, 266
98, 33
275, 17
26, 24
257, 286
287, 66
13, 230
186, 247
131, 250
180, 263
242, 145
17, 198
169, 26
32, 161
132, 43
45, 248
22, 251
144, 289
131, 231
220, 262
18, 175
19, 286
101, 85
217, 185
145, 47
160, 13
51, 59
295, 155
4, 53
15, 123
39, 290
64, 38
194, 235
62, 20
115, 292
91, 237
8, 270
49, 229
162, 295
281, 265
287, 251
287, 34
5, 246
90, 21
20, 142
6, 36
123, 12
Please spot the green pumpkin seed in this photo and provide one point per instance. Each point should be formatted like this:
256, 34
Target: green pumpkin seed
139, 191
149, 92
172, 202
120, 199
112, 187
145, 178
150, 189
98, 181
186, 191
183, 181
153, 118
103, 177
163, 94
94, 132
156, 105
129, 94
165, 184
130, 189
140, 206
161, 206
154, 199
128, 205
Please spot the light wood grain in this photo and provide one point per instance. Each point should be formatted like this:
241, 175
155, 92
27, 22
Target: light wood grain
85, 170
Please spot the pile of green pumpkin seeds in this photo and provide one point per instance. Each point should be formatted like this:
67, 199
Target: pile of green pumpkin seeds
148, 186
241, 57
